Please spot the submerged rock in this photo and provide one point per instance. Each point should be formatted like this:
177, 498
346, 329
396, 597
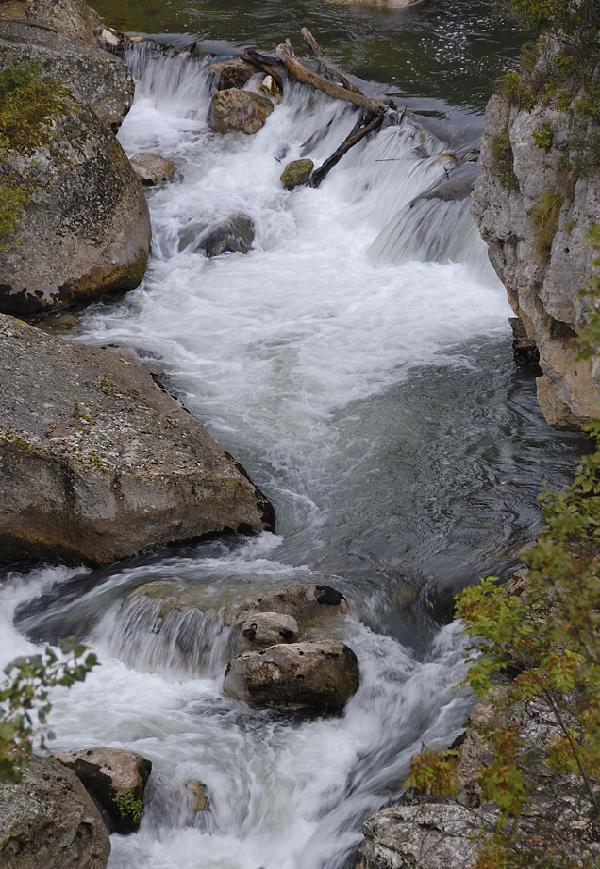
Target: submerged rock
98, 463
233, 72
153, 169
97, 79
315, 677
236, 111
297, 173
49, 820
264, 629
234, 235
116, 780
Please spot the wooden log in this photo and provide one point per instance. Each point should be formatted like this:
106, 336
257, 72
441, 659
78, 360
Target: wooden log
331, 71
266, 63
370, 122
301, 73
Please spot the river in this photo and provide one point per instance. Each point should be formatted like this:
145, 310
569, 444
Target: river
358, 362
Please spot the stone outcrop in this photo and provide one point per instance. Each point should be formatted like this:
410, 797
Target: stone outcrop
428, 836
534, 214
313, 607
153, 169
314, 677
237, 111
76, 224
70, 17
95, 78
116, 780
98, 463
49, 820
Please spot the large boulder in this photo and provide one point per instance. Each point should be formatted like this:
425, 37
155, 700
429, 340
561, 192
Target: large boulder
428, 836
236, 111
69, 17
77, 224
94, 77
153, 169
98, 463
116, 780
315, 677
49, 820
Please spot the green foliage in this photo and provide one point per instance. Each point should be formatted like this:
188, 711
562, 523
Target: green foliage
13, 200
589, 337
545, 214
27, 103
25, 701
434, 773
544, 136
564, 16
130, 807
502, 159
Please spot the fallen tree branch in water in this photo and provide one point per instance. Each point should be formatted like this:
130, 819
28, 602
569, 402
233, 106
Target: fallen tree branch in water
368, 123
332, 72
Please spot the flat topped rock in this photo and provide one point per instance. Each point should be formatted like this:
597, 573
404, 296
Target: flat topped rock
315, 677
98, 463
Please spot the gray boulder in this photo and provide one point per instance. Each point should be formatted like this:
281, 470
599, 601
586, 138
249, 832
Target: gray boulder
264, 629
94, 77
69, 17
153, 169
49, 821
234, 235
98, 463
429, 835
313, 607
236, 111
79, 224
314, 677
116, 780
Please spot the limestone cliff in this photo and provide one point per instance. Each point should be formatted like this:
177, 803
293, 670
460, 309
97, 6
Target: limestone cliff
536, 197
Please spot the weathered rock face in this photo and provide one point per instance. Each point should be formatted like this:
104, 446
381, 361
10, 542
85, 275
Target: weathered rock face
234, 235
534, 216
83, 227
316, 677
297, 173
98, 463
264, 629
236, 111
70, 17
153, 169
96, 79
428, 836
49, 820
115, 779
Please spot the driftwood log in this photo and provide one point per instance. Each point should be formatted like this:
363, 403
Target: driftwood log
330, 70
368, 123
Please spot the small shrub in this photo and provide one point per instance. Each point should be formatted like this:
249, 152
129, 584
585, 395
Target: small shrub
130, 807
545, 216
544, 136
502, 159
27, 103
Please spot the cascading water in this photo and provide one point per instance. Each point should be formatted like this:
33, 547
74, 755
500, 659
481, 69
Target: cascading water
356, 391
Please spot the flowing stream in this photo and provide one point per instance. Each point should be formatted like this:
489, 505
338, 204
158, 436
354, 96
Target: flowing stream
357, 361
